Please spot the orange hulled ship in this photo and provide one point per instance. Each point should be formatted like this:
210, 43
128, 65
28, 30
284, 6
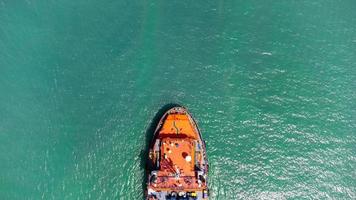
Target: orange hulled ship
177, 163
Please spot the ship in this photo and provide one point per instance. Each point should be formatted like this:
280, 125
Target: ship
177, 167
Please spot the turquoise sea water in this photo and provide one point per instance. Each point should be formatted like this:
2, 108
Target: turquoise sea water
272, 85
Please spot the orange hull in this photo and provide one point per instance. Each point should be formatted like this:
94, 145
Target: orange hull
178, 164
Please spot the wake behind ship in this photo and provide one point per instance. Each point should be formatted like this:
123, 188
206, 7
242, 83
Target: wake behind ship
177, 163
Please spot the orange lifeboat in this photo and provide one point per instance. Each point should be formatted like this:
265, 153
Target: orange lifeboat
177, 163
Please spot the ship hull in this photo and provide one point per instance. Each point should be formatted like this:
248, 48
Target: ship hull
177, 163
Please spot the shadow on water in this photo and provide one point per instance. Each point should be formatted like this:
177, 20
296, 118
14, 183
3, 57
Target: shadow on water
149, 136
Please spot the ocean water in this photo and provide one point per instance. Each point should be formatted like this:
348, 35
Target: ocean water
272, 85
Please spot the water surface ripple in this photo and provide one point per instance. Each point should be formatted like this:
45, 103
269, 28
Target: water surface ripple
270, 83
